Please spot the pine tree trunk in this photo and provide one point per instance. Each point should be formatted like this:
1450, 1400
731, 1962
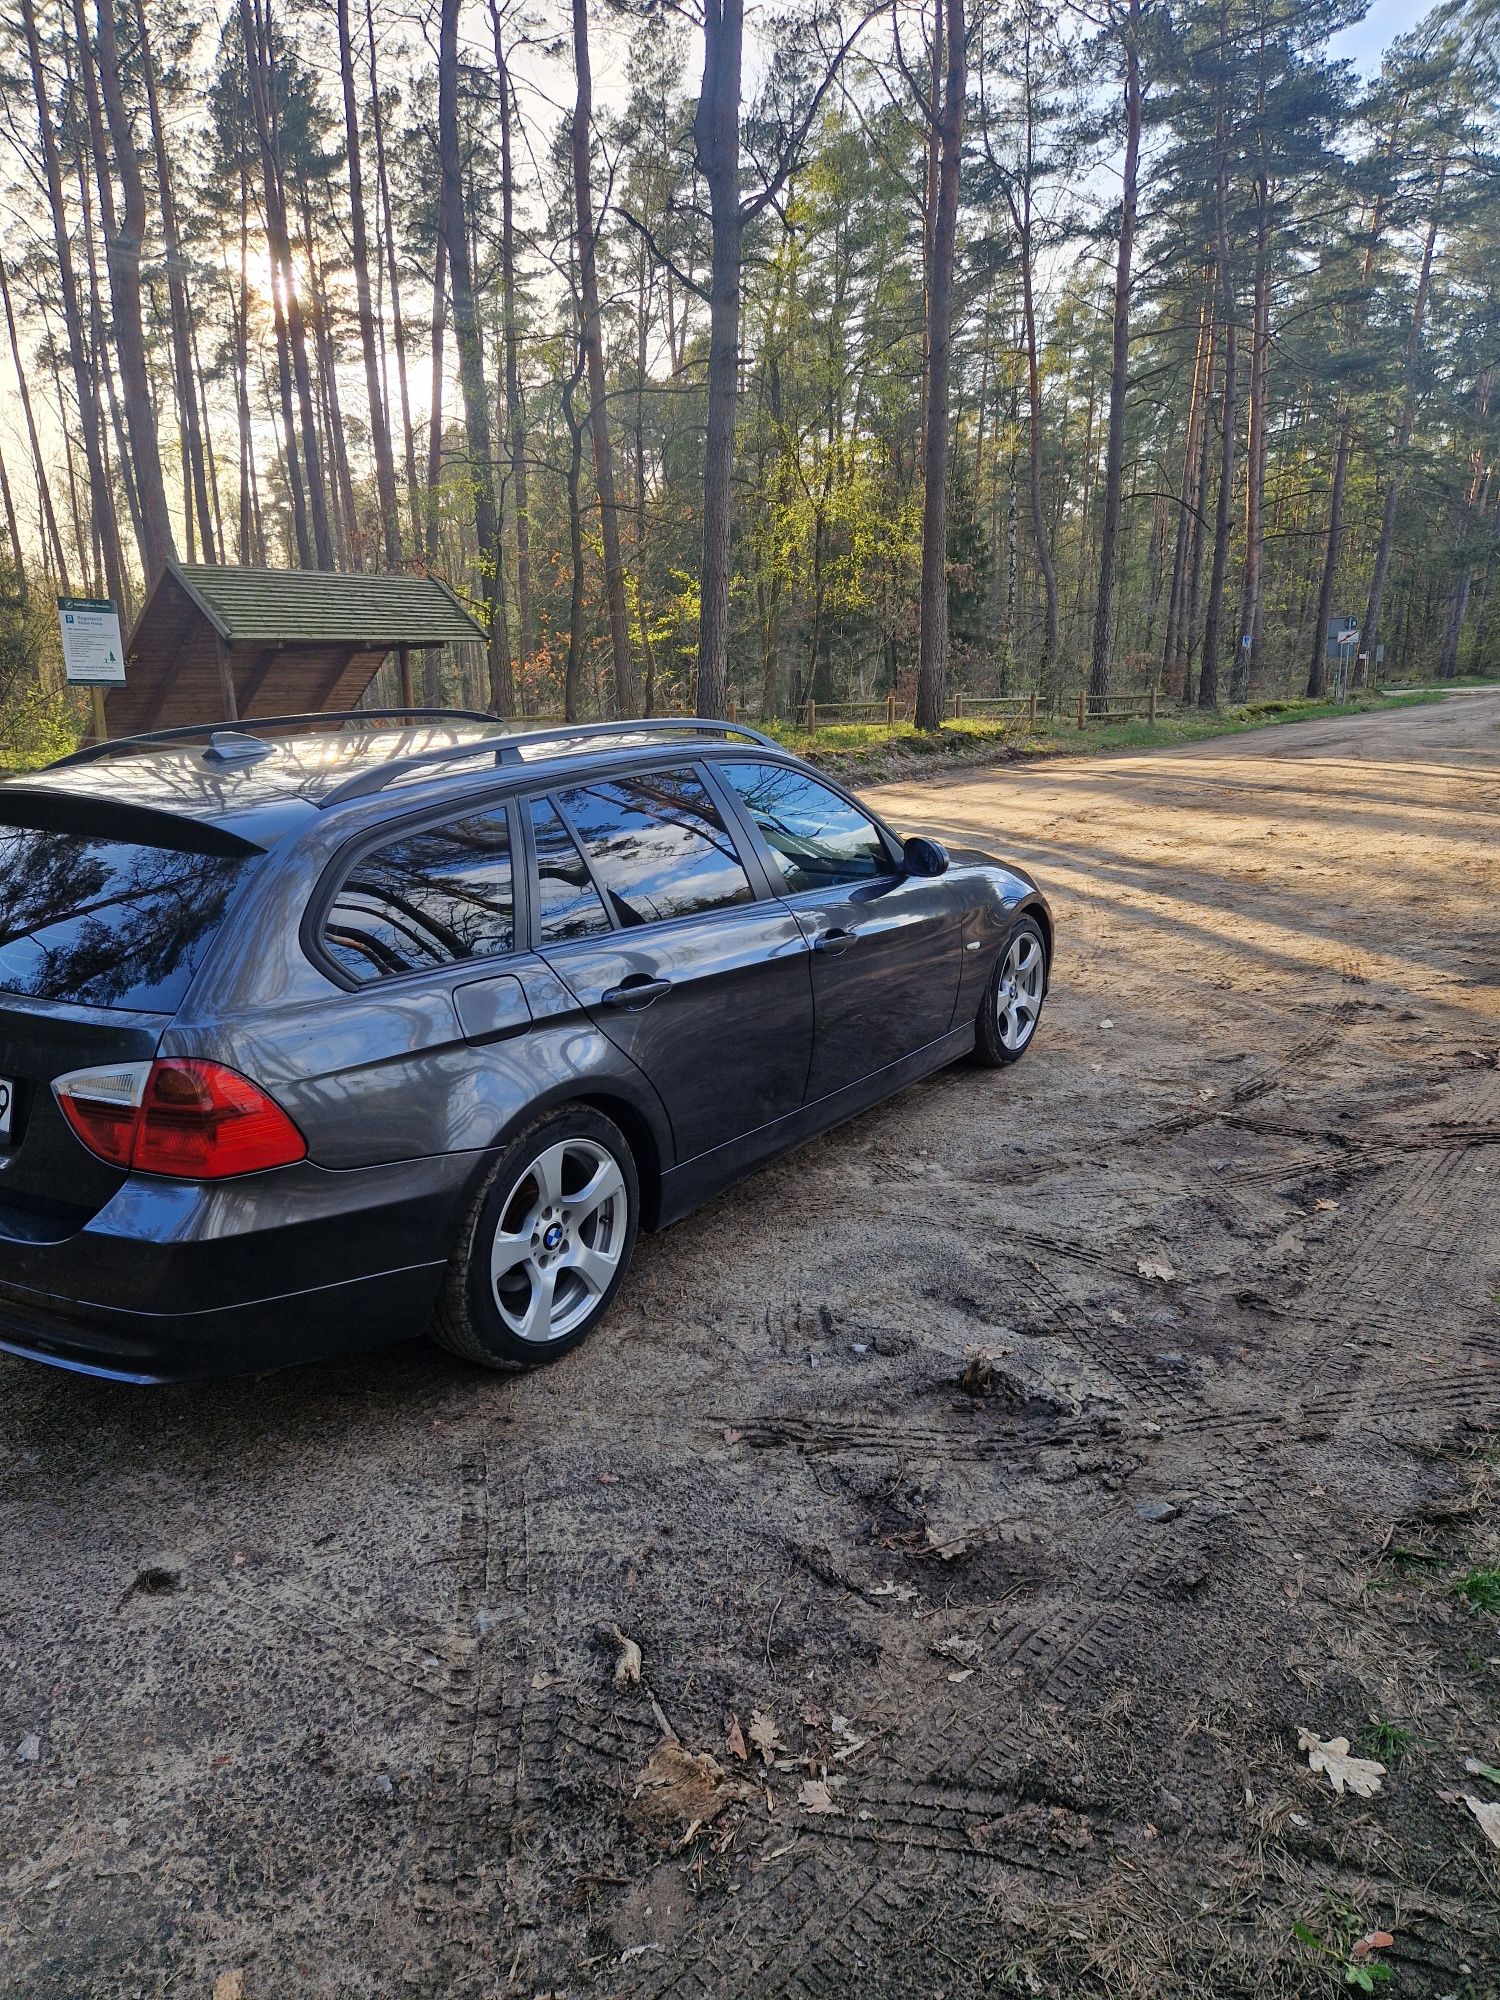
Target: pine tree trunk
470, 360
124, 242
1370, 631
627, 698
932, 651
177, 300
435, 403
255, 25
1317, 666
398, 329
380, 434
1172, 645
1047, 669
1119, 372
1208, 677
515, 414
575, 543
106, 526
46, 513
717, 139
1247, 656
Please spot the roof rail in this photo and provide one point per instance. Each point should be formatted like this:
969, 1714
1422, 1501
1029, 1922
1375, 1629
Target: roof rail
112, 746
507, 749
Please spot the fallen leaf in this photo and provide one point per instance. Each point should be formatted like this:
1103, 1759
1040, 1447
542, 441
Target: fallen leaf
814, 1796
736, 1739
1477, 1770
230, 1986
1324, 1202
1155, 1267
965, 1651
1360, 1775
903, 1591
627, 1662
1372, 1941
1488, 1816
680, 1789
766, 1736
962, 1674
948, 1544
978, 1377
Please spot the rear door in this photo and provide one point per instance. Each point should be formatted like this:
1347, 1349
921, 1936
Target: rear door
886, 945
649, 912
100, 937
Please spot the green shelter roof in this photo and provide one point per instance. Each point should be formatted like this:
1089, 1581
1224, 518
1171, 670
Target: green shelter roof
313, 607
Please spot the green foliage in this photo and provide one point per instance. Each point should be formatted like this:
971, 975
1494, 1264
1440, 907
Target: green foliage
1480, 1589
39, 720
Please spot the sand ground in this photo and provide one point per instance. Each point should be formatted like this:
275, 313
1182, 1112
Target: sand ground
319, 1668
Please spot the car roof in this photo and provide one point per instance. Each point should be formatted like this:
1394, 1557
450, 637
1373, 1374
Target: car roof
254, 783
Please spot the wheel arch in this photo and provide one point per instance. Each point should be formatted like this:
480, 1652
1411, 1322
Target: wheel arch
1041, 916
641, 1140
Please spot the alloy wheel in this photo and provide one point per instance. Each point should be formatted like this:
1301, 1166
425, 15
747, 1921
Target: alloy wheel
561, 1235
1019, 990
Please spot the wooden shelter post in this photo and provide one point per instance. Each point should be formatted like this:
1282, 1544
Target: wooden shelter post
226, 683
403, 667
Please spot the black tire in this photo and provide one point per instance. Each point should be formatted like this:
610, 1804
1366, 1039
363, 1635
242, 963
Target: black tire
478, 1314
994, 1045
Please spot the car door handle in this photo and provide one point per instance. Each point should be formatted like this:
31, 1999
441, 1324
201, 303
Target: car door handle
635, 993
835, 940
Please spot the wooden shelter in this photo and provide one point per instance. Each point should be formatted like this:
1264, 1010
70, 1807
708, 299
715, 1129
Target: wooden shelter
216, 641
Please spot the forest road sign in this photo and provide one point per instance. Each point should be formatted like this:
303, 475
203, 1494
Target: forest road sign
92, 653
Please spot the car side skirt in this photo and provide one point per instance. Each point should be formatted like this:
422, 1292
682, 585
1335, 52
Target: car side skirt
686, 1186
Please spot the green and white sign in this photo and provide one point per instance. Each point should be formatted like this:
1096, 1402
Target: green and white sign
92, 653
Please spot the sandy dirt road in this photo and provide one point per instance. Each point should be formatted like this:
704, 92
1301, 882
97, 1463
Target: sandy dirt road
310, 1678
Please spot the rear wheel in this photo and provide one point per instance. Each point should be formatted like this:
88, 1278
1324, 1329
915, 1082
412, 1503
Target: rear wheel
545, 1246
1012, 1003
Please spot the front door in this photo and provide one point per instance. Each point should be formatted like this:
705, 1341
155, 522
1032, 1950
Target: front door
886, 945
646, 911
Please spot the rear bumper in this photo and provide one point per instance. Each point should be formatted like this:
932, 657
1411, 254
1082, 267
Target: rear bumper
226, 1340
174, 1281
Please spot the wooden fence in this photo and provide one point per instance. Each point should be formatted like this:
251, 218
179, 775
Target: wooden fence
891, 709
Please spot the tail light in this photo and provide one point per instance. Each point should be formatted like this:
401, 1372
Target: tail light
194, 1121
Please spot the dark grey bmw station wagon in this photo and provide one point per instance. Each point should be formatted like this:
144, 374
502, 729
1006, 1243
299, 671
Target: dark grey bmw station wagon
319, 1031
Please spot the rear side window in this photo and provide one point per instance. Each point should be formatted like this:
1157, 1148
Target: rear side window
435, 896
568, 904
657, 846
107, 923
820, 839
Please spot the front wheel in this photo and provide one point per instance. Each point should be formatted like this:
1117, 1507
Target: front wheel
545, 1246
1012, 1003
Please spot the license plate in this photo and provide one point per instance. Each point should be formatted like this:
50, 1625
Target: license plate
7, 1108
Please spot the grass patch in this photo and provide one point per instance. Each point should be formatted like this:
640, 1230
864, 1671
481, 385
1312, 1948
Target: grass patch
1480, 1589
1388, 1740
871, 747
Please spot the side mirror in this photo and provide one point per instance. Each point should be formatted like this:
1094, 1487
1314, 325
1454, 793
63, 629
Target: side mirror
924, 856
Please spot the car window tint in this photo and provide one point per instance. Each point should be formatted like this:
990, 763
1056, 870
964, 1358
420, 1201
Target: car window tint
819, 839
568, 904
107, 923
437, 895
658, 846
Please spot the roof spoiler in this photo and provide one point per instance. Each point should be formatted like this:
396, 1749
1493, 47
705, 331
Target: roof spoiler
55, 809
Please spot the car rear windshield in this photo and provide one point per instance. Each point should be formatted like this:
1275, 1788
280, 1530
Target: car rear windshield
107, 923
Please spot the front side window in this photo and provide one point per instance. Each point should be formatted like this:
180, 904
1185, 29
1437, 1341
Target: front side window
435, 896
819, 839
567, 902
658, 846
